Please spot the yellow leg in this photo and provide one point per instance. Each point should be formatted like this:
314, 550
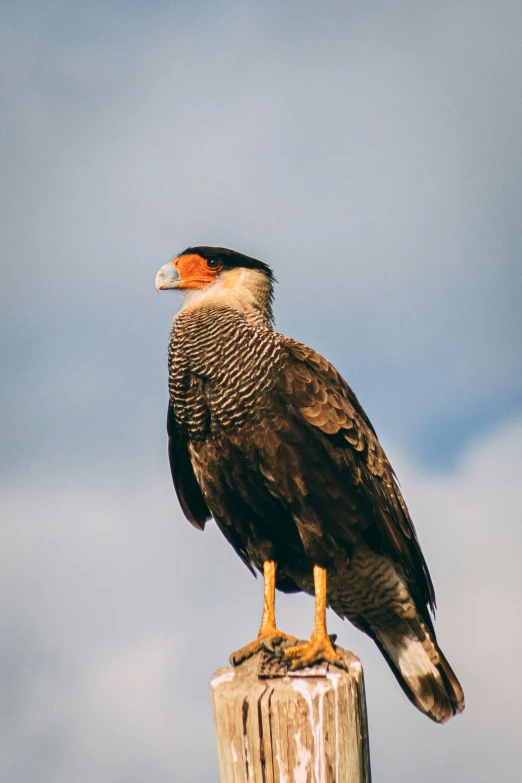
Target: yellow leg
268, 634
320, 647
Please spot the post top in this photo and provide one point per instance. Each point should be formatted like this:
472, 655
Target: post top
264, 666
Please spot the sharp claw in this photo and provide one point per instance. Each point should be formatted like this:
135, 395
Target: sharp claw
268, 643
333, 638
314, 653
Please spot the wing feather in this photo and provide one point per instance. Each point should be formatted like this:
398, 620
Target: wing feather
187, 488
321, 398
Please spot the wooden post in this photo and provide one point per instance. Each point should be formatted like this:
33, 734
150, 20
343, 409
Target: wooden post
304, 727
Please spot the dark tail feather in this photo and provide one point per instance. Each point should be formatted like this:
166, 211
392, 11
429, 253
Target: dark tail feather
421, 669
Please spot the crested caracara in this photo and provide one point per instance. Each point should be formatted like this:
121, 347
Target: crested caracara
268, 439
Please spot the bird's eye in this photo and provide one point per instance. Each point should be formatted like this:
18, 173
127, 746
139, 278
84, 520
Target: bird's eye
213, 263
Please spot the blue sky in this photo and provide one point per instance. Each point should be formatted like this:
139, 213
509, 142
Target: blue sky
371, 154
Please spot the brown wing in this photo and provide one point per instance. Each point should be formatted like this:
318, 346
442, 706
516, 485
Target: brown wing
323, 400
187, 488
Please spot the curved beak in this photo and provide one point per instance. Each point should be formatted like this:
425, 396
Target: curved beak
167, 277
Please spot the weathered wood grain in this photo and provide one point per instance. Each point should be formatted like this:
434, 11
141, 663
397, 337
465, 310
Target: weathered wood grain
303, 727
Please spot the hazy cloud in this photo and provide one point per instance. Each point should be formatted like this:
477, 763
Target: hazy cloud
119, 611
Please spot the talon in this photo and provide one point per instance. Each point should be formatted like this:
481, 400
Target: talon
269, 635
264, 642
319, 650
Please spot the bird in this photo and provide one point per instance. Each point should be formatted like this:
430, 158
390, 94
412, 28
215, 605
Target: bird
267, 438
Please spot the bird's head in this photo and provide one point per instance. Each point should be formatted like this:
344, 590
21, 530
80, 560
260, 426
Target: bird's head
217, 273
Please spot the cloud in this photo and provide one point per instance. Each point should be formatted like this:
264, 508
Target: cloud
119, 611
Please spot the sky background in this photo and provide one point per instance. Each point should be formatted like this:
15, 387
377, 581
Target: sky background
371, 153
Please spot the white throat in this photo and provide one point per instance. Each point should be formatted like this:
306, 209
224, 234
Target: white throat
247, 290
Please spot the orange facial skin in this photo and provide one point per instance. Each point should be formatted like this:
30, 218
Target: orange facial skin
194, 271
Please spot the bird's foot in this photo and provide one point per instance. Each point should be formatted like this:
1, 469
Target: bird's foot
319, 649
264, 642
